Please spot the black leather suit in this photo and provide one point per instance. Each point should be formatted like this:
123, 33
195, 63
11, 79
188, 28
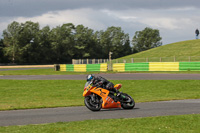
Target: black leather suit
104, 83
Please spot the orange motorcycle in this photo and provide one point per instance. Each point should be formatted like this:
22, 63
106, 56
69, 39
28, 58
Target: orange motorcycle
97, 98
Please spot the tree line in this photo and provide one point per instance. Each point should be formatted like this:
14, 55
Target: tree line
26, 43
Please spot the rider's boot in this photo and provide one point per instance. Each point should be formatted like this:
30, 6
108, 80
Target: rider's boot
120, 95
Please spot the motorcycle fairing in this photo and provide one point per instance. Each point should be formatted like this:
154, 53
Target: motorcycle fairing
87, 90
108, 102
100, 91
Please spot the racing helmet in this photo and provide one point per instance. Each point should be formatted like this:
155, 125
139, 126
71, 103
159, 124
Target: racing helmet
90, 77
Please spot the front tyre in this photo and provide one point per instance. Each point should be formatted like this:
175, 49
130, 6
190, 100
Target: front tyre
129, 103
92, 105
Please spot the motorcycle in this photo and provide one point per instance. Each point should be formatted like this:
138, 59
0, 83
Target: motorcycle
97, 98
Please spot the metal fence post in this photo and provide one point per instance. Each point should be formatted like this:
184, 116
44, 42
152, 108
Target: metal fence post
132, 60
110, 59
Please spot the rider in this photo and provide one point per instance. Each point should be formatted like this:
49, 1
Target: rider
103, 83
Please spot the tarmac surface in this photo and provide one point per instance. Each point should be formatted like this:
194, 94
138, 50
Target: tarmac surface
66, 114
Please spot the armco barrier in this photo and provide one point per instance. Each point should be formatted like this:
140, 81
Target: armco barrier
96, 67
123, 67
189, 66
80, 68
84, 67
163, 66
63, 67
70, 68
157, 66
119, 67
137, 67
104, 67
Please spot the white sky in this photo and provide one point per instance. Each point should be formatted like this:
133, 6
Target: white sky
177, 20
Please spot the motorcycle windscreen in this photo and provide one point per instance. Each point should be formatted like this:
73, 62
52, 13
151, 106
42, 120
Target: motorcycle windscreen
87, 89
87, 84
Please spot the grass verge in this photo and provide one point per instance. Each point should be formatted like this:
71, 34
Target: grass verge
52, 72
26, 94
163, 124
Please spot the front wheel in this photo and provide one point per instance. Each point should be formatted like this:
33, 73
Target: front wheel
91, 104
129, 103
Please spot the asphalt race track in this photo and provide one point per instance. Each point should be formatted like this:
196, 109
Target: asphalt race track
122, 76
66, 114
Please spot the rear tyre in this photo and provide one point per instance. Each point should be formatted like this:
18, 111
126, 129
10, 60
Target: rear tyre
128, 105
91, 105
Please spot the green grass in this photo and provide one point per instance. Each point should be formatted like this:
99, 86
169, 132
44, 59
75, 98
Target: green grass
26, 94
35, 72
180, 50
163, 124
52, 72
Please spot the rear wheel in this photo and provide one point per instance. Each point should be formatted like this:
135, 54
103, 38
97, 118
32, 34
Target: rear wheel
93, 103
129, 103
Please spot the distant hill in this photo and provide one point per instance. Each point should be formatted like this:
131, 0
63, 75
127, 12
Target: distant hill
181, 51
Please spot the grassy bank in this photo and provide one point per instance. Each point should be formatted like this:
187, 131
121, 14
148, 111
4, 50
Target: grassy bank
164, 124
25, 94
178, 49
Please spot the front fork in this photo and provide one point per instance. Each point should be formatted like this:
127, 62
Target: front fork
94, 98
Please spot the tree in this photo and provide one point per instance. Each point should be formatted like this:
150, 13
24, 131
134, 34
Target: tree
11, 41
21, 42
85, 43
1, 51
29, 43
146, 39
44, 45
127, 50
113, 40
62, 43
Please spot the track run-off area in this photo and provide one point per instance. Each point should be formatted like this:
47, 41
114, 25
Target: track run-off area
121, 76
66, 114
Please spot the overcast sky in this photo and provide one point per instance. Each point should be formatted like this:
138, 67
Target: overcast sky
176, 20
